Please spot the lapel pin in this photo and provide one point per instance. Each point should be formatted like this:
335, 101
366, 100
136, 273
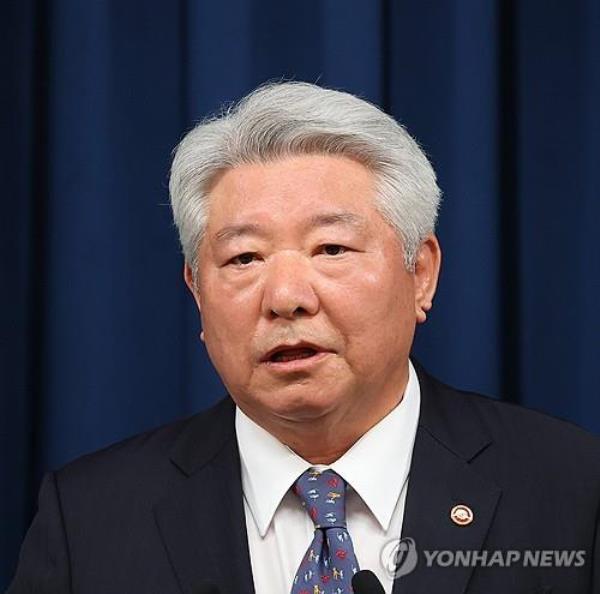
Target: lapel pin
461, 515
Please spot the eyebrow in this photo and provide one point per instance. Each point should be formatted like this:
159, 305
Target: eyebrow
315, 221
336, 218
233, 231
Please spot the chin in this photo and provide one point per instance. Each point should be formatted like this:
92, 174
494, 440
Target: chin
301, 407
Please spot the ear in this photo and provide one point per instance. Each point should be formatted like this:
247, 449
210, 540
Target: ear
188, 276
427, 270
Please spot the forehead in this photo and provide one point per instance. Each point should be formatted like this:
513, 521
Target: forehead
292, 189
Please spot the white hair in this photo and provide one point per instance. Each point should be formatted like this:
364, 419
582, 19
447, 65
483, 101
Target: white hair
285, 119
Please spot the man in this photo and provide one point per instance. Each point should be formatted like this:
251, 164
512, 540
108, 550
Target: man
307, 222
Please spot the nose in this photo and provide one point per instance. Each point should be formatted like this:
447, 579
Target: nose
288, 289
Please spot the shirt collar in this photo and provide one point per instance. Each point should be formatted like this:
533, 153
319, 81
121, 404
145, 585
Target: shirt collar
269, 468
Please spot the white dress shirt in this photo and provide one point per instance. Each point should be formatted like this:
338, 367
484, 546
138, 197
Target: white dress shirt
376, 468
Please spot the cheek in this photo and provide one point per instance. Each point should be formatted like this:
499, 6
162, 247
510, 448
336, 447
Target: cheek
226, 327
374, 311
377, 292
226, 342
227, 304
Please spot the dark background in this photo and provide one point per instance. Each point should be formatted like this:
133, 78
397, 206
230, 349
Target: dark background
100, 339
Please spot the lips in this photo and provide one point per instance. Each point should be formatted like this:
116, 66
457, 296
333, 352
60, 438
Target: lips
292, 354
284, 353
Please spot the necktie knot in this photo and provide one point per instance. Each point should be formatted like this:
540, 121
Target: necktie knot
323, 493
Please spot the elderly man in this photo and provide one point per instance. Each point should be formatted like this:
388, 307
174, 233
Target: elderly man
307, 222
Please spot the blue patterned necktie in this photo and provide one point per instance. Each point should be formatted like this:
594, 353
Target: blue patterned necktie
330, 562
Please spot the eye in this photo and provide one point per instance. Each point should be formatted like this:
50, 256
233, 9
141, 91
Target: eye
243, 259
333, 249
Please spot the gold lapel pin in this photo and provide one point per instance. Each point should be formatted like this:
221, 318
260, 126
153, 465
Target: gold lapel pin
461, 515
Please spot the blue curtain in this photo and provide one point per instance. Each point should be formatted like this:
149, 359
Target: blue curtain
99, 337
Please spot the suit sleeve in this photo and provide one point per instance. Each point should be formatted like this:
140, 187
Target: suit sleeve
43, 566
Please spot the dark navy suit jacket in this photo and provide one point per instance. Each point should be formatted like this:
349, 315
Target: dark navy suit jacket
162, 513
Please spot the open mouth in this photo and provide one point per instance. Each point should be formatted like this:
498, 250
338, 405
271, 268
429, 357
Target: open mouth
292, 354
296, 356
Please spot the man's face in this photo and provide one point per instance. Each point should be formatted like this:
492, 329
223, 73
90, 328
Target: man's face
306, 305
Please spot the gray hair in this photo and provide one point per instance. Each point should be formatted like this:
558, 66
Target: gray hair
285, 119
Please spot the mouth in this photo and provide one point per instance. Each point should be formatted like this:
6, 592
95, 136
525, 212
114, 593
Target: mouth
292, 354
295, 356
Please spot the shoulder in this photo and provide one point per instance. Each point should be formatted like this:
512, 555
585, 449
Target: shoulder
149, 460
519, 438
509, 422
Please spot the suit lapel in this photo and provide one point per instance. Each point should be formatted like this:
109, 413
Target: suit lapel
202, 520
448, 438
